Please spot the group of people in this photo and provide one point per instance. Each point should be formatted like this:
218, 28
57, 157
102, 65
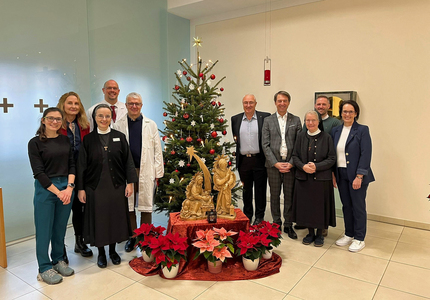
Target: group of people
102, 165
306, 162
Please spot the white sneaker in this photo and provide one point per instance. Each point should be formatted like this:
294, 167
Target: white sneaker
344, 241
356, 246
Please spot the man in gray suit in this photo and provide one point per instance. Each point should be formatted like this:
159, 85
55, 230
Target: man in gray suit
278, 138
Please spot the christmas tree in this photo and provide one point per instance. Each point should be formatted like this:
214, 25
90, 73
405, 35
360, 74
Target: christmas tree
195, 117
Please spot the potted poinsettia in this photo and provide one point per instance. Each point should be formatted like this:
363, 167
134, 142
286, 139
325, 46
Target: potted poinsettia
168, 250
251, 245
143, 236
273, 233
216, 245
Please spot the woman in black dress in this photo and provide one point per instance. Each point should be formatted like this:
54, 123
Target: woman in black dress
313, 201
105, 176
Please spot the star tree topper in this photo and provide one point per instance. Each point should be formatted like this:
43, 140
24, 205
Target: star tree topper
197, 42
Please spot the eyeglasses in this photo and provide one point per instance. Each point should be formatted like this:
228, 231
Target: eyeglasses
134, 104
104, 116
52, 119
311, 121
348, 112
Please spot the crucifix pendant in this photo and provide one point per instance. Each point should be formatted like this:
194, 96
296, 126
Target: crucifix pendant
106, 147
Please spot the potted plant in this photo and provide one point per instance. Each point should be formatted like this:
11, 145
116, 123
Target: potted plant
143, 236
168, 250
273, 233
216, 245
251, 245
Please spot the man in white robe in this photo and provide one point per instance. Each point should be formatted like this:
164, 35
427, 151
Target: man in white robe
145, 146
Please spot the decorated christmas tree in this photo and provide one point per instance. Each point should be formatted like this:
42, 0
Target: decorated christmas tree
195, 117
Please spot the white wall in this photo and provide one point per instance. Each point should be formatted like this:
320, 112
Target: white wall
381, 49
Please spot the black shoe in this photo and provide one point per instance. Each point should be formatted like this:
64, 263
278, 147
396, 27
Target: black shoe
298, 227
279, 223
101, 261
65, 258
116, 260
290, 231
81, 247
258, 221
129, 245
319, 241
307, 240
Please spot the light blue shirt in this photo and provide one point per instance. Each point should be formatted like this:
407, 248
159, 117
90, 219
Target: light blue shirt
249, 135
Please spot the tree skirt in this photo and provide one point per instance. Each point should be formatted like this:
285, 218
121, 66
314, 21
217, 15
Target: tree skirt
197, 269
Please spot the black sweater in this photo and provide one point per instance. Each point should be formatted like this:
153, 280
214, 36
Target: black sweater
50, 158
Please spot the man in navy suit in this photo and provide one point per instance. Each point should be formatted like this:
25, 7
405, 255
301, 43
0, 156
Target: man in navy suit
250, 158
280, 131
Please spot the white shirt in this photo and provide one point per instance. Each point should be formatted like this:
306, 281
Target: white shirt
282, 121
340, 148
249, 135
120, 110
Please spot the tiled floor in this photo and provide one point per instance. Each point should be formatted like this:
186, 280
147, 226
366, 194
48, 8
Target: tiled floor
392, 266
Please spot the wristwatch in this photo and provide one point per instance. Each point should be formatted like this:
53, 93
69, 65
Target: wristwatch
72, 185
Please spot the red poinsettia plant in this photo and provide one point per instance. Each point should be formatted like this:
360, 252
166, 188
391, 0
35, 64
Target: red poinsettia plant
251, 244
271, 230
215, 244
168, 249
144, 234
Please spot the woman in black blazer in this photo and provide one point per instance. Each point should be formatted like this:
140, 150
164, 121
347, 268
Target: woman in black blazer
352, 173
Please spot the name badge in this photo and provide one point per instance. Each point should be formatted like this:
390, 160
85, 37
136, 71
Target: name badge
116, 139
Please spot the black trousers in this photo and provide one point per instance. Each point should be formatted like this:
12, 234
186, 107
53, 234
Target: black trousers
253, 175
78, 209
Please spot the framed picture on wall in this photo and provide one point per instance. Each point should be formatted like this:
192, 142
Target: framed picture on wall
335, 98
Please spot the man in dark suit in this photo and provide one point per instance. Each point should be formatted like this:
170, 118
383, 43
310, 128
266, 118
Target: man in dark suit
280, 131
250, 158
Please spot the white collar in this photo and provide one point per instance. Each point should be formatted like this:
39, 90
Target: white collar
103, 131
326, 117
315, 133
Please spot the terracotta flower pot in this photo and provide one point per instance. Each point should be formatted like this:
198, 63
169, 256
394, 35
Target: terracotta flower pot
215, 269
172, 273
267, 254
147, 258
250, 265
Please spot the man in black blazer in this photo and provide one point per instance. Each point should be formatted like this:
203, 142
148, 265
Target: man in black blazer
250, 158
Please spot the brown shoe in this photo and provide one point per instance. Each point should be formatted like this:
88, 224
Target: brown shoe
325, 232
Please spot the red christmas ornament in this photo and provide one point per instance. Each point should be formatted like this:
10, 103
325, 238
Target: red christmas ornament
221, 89
182, 139
188, 78
213, 103
176, 87
201, 75
189, 139
173, 152
219, 103
176, 171
184, 72
212, 151
173, 119
221, 120
214, 134
199, 140
212, 76
165, 114
164, 138
229, 163
186, 116
188, 165
224, 132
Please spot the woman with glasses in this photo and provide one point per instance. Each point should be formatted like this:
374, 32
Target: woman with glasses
75, 127
313, 201
352, 173
105, 179
53, 168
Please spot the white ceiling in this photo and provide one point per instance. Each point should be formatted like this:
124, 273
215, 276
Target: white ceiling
195, 10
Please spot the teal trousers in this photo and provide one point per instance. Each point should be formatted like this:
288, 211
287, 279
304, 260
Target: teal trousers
50, 220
